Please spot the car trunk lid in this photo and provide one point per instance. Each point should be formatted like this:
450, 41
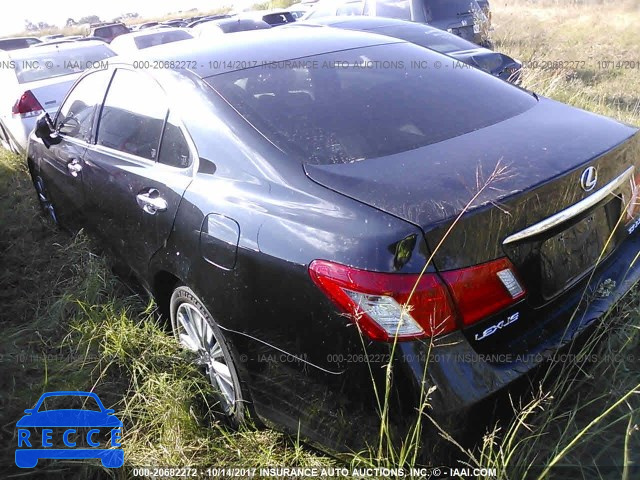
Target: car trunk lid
504, 179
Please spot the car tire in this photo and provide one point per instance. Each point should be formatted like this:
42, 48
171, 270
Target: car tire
196, 330
46, 204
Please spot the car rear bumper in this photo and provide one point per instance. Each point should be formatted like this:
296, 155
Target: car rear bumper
464, 377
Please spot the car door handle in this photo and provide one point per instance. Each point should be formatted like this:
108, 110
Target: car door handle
74, 167
151, 201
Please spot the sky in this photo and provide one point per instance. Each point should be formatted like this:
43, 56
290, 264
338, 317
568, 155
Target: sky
14, 13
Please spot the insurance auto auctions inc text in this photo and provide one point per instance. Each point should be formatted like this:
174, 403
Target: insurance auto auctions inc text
319, 472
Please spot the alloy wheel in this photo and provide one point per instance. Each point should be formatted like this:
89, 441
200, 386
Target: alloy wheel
44, 199
195, 333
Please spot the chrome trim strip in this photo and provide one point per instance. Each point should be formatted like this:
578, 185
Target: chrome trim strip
574, 210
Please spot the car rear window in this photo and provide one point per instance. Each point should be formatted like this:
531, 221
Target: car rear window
448, 9
35, 64
14, 44
352, 105
160, 38
425, 36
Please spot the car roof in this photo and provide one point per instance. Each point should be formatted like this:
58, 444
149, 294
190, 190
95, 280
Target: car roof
55, 47
364, 21
256, 47
145, 32
19, 38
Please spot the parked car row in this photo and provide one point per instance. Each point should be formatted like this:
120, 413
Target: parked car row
363, 15
303, 226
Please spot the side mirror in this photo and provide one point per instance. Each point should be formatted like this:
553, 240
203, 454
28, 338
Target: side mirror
44, 131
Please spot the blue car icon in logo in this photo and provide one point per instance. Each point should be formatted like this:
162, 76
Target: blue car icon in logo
83, 429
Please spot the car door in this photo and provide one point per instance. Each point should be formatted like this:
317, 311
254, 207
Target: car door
61, 166
138, 169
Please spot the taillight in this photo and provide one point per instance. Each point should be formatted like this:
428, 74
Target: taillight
27, 105
633, 206
482, 290
378, 302
384, 308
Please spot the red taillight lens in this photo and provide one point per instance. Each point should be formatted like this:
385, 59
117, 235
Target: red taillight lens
633, 206
27, 105
482, 290
379, 302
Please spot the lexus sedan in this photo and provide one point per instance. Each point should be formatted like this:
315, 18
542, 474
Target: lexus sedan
307, 208
36, 80
497, 64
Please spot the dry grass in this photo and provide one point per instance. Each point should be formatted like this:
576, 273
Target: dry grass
58, 296
588, 56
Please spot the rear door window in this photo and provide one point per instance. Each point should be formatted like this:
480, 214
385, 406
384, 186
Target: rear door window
174, 149
133, 115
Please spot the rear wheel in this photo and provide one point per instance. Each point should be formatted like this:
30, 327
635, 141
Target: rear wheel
196, 331
43, 196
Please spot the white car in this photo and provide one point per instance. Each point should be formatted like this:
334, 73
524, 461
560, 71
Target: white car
133, 42
37, 81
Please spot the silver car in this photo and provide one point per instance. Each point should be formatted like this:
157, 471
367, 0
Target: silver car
36, 80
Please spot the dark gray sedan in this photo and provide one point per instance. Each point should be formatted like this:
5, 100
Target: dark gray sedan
320, 223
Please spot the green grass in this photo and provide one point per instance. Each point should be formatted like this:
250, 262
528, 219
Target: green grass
69, 323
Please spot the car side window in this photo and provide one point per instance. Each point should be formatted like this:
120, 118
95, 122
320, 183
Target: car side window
76, 116
133, 115
174, 149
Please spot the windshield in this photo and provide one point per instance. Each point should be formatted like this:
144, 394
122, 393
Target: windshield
34, 64
371, 102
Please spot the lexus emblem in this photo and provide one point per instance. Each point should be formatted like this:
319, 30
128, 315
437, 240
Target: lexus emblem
589, 179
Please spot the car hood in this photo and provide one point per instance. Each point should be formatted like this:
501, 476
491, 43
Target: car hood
69, 418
